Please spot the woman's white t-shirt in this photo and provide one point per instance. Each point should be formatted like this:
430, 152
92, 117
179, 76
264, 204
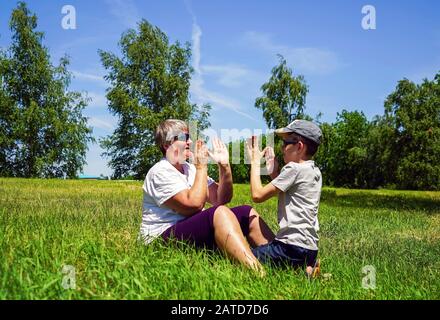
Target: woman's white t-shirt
162, 182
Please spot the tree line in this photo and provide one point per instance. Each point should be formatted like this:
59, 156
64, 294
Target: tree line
44, 134
399, 149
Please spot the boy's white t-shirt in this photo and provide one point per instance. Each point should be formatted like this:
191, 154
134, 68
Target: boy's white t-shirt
162, 182
298, 204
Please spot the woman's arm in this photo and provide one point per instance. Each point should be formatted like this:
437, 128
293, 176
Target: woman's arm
221, 192
225, 189
188, 202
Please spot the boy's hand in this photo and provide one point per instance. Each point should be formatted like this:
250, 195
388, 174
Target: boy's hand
271, 161
253, 151
219, 152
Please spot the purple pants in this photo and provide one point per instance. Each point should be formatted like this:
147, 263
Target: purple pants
199, 228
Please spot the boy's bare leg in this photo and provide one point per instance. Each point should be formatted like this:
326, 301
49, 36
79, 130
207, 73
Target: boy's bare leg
313, 272
230, 238
259, 231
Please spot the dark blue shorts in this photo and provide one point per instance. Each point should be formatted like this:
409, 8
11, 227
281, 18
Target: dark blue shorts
280, 253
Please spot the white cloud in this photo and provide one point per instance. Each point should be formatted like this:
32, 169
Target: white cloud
126, 11
105, 123
197, 89
206, 96
98, 100
306, 59
231, 76
89, 77
228, 75
196, 35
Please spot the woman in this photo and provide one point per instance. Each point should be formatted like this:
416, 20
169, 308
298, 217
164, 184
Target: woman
175, 194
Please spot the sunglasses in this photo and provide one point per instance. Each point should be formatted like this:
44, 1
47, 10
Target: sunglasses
182, 137
286, 142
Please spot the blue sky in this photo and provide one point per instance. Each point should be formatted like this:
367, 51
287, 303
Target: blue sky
235, 45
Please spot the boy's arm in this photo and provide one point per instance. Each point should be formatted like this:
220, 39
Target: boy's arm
274, 174
259, 193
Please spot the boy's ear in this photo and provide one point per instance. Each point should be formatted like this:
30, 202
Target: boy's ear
303, 146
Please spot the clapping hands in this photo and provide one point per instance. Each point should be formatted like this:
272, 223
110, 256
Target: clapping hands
255, 155
219, 153
200, 154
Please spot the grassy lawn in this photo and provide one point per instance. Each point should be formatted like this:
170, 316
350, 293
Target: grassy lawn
93, 226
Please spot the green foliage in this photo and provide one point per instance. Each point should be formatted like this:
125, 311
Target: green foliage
42, 130
400, 149
240, 171
149, 84
342, 155
414, 111
284, 97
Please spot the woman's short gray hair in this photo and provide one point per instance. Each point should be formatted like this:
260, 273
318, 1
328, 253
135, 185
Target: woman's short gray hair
167, 130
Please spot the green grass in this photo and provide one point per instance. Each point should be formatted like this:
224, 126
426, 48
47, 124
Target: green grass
93, 226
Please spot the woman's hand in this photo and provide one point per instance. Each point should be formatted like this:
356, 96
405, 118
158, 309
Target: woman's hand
219, 152
253, 151
200, 154
271, 161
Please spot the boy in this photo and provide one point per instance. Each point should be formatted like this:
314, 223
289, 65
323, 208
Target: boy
298, 187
